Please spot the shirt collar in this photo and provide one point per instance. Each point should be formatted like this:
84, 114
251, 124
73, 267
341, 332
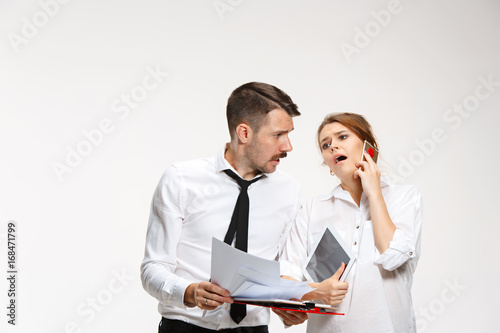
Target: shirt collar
223, 164
340, 193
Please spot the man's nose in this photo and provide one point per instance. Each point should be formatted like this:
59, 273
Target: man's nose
287, 146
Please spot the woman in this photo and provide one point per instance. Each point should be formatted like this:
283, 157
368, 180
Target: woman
379, 222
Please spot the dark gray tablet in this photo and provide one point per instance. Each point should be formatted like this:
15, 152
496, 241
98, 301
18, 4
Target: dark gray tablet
329, 253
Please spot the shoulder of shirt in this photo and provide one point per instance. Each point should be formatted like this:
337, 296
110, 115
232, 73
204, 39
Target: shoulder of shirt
195, 163
402, 188
191, 167
402, 193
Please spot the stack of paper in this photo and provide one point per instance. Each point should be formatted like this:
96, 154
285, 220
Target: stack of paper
248, 276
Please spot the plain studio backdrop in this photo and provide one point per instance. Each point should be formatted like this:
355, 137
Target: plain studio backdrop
97, 98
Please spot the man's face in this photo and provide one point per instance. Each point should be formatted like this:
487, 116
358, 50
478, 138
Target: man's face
270, 143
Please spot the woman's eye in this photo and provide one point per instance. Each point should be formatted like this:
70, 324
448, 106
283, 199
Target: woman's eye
343, 137
326, 145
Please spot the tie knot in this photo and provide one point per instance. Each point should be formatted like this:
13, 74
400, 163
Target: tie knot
242, 182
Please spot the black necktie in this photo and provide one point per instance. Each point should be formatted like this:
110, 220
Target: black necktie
239, 225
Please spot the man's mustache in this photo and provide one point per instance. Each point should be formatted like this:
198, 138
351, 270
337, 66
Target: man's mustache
277, 157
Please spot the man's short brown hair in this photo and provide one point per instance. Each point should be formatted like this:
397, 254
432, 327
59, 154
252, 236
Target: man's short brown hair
251, 102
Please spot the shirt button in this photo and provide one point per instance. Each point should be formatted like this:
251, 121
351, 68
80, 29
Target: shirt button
355, 243
411, 253
225, 307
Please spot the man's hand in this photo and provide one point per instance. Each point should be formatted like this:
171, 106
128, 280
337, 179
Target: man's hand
330, 291
292, 317
206, 296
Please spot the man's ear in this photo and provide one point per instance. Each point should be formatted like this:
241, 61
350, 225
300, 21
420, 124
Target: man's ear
244, 132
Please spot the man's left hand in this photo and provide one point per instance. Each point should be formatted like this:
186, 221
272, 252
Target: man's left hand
292, 317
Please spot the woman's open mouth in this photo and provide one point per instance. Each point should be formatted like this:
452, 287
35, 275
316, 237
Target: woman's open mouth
339, 158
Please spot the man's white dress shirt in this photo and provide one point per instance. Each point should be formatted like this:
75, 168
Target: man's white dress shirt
193, 202
379, 297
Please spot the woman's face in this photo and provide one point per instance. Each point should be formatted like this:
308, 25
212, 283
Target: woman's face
341, 149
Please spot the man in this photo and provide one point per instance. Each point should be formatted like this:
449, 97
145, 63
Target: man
195, 201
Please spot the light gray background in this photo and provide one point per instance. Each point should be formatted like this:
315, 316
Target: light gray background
76, 235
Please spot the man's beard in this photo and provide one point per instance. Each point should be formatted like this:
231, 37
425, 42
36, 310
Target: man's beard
253, 154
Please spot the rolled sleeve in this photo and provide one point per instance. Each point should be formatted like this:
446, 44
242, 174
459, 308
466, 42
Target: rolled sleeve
400, 251
405, 244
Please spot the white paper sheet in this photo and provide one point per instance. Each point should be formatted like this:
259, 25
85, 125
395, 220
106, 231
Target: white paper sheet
245, 275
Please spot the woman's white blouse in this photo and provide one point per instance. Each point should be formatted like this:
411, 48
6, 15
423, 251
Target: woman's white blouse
379, 297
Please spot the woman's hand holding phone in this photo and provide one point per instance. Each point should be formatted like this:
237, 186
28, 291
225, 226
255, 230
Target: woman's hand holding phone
368, 171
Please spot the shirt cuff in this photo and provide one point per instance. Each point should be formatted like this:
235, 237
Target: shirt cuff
400, 251
176, 296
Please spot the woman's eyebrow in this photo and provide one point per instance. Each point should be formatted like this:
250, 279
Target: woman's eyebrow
325, 139
334, 134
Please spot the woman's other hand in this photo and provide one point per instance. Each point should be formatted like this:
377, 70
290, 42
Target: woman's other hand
331, 291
